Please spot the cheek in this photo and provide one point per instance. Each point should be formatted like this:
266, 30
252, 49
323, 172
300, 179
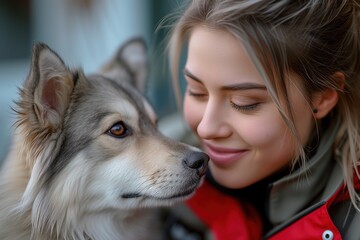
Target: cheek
269, 131
264, 132
263, 128
193, 112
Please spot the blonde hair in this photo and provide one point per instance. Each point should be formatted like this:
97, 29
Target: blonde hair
313, 39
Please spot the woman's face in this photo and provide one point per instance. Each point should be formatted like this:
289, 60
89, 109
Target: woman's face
228, 106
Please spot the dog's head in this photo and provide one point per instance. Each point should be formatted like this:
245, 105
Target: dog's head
91, 142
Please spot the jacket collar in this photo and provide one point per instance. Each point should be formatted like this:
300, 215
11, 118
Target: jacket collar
316, 181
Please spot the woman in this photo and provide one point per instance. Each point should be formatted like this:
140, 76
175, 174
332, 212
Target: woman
273, 94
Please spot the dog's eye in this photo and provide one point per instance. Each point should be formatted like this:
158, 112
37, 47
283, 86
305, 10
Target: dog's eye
118, 130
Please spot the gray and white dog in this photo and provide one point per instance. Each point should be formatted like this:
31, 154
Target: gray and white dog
87, 161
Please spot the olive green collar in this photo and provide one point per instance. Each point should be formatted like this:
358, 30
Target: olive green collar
306, 186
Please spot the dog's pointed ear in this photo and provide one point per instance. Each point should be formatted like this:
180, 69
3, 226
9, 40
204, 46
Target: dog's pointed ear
134, 54
132, 58
47, 90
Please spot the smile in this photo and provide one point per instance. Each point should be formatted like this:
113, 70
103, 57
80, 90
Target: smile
224, 156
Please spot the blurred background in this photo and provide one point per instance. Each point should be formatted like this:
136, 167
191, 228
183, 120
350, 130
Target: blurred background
85, 33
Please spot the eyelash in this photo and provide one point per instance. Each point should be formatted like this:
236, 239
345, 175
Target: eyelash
196, 95
245, 108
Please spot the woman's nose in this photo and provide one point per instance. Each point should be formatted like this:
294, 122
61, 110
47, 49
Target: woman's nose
213, 123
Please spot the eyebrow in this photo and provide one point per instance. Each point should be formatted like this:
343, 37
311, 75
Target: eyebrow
232, 87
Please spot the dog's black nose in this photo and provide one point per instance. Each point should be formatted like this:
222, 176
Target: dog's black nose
197, 161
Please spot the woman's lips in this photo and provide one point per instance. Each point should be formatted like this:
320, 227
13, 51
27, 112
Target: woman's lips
223, 156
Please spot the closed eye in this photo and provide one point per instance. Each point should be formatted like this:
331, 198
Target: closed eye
119, 130
197, 94
244, 108
194, 94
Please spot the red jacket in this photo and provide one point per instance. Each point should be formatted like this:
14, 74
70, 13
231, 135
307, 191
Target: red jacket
229, 219
224, 215
317, 224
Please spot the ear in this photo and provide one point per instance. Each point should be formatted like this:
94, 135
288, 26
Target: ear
132, 58
324, 101
48, 87
134, 54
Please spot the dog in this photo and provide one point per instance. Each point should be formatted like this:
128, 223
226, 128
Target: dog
87, 159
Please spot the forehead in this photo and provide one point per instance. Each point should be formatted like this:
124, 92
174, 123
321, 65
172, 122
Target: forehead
220, 56
219, 59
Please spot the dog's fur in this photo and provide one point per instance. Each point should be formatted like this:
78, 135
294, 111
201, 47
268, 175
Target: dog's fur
87, 161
